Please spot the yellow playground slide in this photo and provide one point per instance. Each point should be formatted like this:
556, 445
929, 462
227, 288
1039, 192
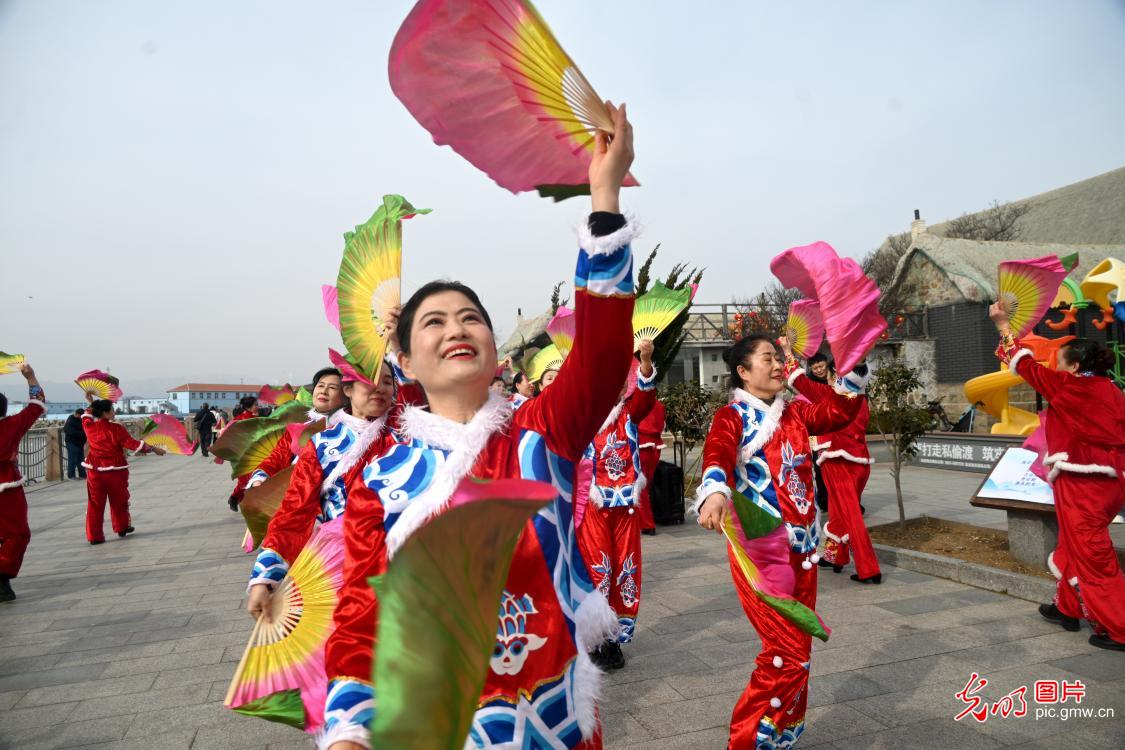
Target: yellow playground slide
991, 390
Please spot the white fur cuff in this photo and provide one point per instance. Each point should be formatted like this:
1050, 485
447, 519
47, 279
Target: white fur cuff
706, 490
36, 402
1015, 360
595, 621
841, 453
609, 243
793, 377
10, 485
649, 383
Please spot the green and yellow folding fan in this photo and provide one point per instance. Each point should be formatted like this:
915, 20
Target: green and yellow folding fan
369, 283
11, 362
547, 358
655, 310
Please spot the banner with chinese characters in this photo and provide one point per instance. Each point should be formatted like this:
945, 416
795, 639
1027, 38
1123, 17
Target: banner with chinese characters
963, 452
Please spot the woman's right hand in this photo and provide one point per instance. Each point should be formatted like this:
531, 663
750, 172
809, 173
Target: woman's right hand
713, 512
998, 313
258, 605
613, 155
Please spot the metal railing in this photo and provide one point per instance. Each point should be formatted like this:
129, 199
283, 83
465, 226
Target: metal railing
717, 322
33, 452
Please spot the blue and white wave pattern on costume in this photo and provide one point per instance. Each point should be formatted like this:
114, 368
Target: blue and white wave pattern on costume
609, 275
402, 474
545, 721
350, 704
269, 568
331, 445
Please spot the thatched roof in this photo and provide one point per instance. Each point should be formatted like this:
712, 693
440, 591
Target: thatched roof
530, 332
970, 265
1087, 217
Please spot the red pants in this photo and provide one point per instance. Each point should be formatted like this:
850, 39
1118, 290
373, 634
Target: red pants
1091, 584
650, 457
610, 541
101, 486
771, 710
14, 531
845, 481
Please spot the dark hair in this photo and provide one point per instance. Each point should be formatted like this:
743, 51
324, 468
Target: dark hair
519, 378
1090, 356
205, 407
3, 405
322, 372
78, 412
735, 355
818, 357
236, 411
101, 407
410, 309
247, 402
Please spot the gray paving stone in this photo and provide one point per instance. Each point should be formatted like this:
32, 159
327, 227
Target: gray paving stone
167, 741
690, 715
31, 718
86, 690
150, 700
1100, 665
935, 734
27, 680
830, 724
164, 663
78, 734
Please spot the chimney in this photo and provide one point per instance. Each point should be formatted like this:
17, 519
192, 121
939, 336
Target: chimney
917, 226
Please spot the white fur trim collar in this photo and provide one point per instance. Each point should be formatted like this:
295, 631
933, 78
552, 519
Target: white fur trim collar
346, 418
609, 243
769, 423
465, 443
366, 434
1015, 360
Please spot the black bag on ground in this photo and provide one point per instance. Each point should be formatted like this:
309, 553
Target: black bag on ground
667, 494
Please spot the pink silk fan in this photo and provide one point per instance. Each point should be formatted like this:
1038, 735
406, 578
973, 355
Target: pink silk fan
849, 301
488, 79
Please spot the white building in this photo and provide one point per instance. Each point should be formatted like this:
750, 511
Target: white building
190, 397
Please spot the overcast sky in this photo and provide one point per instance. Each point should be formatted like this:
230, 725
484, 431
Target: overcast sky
175, 177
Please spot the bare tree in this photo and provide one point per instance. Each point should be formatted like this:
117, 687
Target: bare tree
880, 265
765, 313
997, 223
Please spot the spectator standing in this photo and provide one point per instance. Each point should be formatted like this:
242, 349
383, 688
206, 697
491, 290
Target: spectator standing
75, 445
204, 424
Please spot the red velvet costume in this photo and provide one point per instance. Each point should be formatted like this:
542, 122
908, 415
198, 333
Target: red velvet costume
650, 431
762, 451
1085, 430
541, 684
107, 475
15, 534
846, 466
610, 534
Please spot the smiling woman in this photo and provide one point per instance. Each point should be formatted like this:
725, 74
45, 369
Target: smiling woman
541, 685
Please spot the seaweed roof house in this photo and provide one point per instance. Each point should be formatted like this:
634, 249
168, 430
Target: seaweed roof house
954, 280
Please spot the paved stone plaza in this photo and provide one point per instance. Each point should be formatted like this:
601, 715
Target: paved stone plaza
132, 644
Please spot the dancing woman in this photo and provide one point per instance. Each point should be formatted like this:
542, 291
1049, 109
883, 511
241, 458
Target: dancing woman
1085, 428
758, 445
318, 489
541, 686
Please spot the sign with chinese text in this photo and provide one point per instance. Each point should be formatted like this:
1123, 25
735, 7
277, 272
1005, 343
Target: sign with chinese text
962, 452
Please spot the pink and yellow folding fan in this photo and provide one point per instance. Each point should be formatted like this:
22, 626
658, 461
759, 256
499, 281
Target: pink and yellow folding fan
101, 384
1029, 287
655, 310
547, 358
369, 283
276, 396
331, 305
11, 362
561, 330
805, 327
168, 432
281, 674
488, 79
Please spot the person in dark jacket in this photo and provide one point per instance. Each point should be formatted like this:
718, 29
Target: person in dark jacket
75, 445
204, 424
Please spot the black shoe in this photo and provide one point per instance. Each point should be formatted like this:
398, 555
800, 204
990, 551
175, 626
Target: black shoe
598, 656
876, 579
6, 593
232, 501
1052, 613
648, 532
1101, 641
862, 510
128, 530
825, 564
98, 541
614, 658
